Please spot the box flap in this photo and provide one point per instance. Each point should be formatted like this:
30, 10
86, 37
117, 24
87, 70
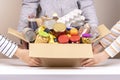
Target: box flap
103, 31
61, 50
17, 34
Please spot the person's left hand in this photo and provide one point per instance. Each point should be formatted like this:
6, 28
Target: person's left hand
23, 54
98, 58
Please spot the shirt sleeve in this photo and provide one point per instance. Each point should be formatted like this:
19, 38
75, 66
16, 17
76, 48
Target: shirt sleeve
115, 32
89, 11
7, 47
114, 48
29, 7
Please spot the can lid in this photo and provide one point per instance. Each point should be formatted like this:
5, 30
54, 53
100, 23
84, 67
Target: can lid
59, 27
86, 35
75, 38
63, 39
49, 23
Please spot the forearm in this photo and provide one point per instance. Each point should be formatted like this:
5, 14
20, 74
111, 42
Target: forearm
18, 53
114, 48
115, 32
89, 12
7, 47
29, 7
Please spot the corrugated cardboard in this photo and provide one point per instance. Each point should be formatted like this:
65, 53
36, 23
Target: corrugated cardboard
61, 54
103, 31
17, 34
61, 50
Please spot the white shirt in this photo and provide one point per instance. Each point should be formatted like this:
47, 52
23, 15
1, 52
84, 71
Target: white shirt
112, 41
7, 47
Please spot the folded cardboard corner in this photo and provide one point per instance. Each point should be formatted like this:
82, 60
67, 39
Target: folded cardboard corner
103, 31
60, 55
17, 34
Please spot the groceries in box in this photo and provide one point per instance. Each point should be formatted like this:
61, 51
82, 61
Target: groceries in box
71, 28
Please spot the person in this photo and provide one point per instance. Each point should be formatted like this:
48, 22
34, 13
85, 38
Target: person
10, 49
111, 43
61, 7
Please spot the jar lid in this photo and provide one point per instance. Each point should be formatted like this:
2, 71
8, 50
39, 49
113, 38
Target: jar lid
86, 35
59, 27
63, 39
75, 38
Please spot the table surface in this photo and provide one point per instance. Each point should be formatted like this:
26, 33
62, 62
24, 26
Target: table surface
15, 66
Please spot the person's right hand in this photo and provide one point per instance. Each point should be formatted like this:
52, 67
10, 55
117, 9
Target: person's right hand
98, 58
97, 48
23, 54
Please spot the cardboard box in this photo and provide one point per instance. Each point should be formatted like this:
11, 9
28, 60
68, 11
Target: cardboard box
61, 55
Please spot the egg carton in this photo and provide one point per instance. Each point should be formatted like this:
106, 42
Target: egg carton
73, 17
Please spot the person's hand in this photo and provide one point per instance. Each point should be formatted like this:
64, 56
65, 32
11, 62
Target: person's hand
98, 58
97, 48
24, 45
23, 54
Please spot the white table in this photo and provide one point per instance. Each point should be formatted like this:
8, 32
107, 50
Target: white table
15, 69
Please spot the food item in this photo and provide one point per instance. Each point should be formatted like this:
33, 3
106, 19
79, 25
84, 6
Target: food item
29, 34
73, 31
32, 24
86, 38
55, 16
39, 21
40, 39
44, 34
59, 27
84, 29
63, 39
75, 39
71, 16
49, 23
71, 28
52, 39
